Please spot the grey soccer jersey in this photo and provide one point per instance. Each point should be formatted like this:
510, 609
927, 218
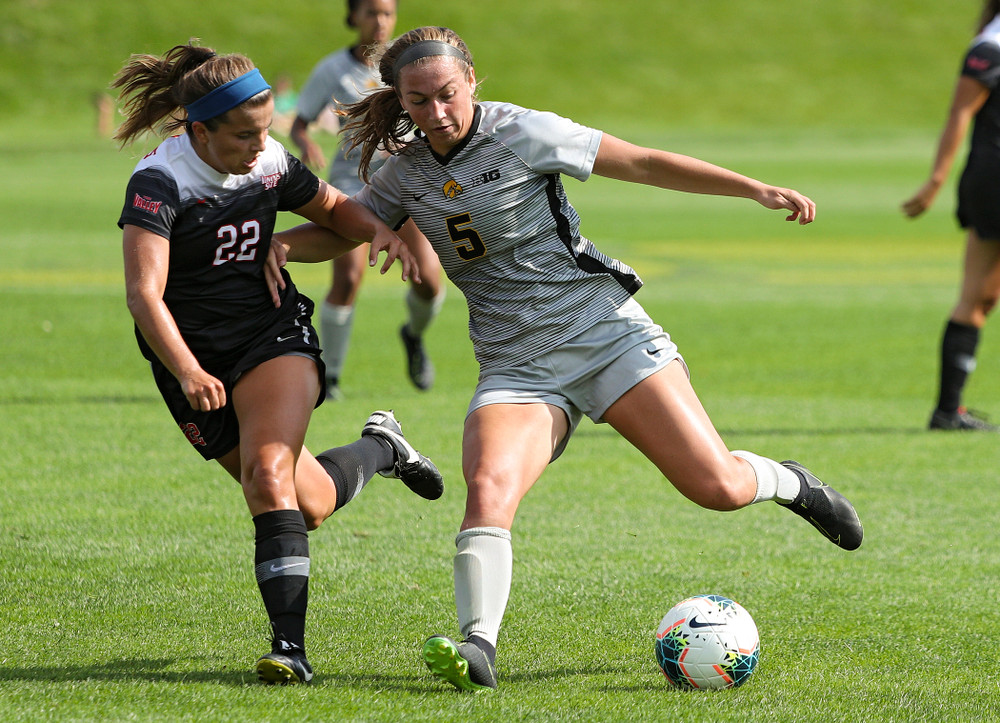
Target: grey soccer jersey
338, 80
497, 215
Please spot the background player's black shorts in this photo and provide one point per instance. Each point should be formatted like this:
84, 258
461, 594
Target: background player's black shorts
214, 434
979, 196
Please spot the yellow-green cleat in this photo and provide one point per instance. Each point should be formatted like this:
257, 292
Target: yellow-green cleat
464, 664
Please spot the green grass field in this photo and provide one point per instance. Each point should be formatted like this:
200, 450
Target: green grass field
128, 590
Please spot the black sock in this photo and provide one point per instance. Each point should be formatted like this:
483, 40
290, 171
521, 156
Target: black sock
282, 568
958, 360
354, 464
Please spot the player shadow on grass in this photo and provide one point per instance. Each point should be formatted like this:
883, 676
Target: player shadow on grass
728, 432
62, 400
153, 670
158, 671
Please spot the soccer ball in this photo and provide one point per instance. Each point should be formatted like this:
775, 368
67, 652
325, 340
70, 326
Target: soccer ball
707, 641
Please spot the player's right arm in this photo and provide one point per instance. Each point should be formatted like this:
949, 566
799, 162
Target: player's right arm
969, 97
146, 256
311, 152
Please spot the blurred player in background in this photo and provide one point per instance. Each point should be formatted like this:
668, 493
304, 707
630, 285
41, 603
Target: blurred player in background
227, 335
553, 323
978, 211
339, 79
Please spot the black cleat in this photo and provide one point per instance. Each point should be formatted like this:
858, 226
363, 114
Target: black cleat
285, 664
464, 664
333, 393
418, 366
961, 419
417, 472
826, 509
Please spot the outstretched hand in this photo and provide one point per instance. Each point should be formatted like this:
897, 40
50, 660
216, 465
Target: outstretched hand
802, 208
394, 248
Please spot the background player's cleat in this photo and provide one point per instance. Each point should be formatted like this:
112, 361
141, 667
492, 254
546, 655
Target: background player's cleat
826, 509
333, 393
464, 665
962, 419
417, 472
418, 366
285, 664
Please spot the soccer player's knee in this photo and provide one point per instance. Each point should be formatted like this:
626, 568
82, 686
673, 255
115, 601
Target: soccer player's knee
491, 488
349, 279
264, 481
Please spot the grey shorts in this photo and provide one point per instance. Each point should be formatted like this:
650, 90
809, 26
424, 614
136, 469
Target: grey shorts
586, 374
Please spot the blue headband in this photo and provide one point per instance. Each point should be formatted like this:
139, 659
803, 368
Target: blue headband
226, 97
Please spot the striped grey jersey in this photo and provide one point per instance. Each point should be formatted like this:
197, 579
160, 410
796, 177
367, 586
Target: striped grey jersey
338, 80
497, 215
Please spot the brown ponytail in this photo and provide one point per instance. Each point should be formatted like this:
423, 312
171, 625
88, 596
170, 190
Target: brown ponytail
378, 120
155, 89
991, 8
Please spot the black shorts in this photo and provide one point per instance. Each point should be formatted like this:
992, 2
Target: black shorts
979, 197
214, 434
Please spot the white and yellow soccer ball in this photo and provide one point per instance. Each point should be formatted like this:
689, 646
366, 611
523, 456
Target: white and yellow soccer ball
707, 642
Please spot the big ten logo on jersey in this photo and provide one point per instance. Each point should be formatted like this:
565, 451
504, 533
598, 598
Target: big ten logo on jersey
482, 178
453, 189
190, 430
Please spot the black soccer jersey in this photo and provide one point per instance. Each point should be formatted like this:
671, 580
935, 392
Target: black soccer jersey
219, 226
982, 63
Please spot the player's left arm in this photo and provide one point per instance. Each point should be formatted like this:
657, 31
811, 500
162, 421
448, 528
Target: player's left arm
351, 223
309, 243
624, 161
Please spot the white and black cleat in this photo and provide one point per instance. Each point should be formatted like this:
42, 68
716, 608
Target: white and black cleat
415, 470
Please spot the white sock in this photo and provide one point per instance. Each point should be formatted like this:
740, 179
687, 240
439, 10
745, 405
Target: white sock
774, 482
422, 311
484, 566
335, 323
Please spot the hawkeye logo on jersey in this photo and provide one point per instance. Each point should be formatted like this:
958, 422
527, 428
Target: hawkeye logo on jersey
453, 189
145, 203
270, 181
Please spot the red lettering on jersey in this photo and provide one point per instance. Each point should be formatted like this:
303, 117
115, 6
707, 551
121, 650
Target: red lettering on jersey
270, 181
145, 203
194, 436
978, 64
